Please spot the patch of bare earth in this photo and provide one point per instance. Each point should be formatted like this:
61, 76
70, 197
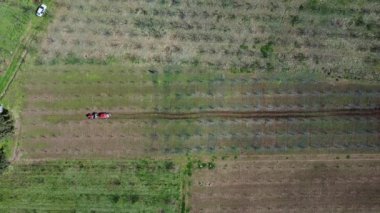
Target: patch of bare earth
322, 183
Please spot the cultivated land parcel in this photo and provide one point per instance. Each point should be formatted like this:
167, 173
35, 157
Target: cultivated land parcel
282, 96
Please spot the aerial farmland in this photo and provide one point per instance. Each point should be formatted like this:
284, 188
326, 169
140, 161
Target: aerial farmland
214, 105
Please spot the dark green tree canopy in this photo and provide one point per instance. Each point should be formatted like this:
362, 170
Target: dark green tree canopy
6, 124
6, 129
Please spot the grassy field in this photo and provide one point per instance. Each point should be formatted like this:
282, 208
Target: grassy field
18, 28
101, 186
227, 80
14, 19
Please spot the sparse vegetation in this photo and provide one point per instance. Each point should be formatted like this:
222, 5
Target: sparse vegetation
224, 35
209, 79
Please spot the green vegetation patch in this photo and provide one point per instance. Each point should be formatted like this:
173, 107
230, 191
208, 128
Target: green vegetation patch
14, 18
136, 186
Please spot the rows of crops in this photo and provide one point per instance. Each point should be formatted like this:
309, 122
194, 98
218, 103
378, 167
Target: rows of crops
135, 88
126, 138
59, 96
244, 36
142, 185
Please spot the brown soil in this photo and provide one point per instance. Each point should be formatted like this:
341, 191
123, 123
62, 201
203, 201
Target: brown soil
129, 134
251, 114
121, 114
294, 184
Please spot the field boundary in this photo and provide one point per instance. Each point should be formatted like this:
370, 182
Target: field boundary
10, 74
16, 62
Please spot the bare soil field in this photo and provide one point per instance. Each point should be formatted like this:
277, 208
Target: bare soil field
314, 183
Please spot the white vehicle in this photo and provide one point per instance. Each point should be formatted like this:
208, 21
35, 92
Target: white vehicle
41, 10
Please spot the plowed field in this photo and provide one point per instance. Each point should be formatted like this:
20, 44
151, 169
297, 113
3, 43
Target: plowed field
289, 184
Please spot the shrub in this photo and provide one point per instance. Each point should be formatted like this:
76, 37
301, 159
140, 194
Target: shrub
294, 19
189, 168
169, 165
134, 198
211, 165
318, 6
3, 160
243, 47
150, 26
201, 164
115, 198
267, 49
71, 58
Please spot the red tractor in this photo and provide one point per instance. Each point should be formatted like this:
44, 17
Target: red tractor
98, 115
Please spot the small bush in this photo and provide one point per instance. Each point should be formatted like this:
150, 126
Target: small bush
189, 168
211, 165
243, 47
169, 165
134, 198
115, 182
267, 49
318, 6
151, 27
115, 198
294, 19
359, 21
201, 164
71, 58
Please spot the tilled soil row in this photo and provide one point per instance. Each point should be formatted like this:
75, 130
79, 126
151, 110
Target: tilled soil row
120, 114
249, 114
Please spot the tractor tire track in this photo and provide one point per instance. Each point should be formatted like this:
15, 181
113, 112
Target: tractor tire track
248, 114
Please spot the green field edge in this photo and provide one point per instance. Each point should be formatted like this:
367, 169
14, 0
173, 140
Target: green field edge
17, 60
34, 28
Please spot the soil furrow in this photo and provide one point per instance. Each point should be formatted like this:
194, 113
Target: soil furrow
249, 114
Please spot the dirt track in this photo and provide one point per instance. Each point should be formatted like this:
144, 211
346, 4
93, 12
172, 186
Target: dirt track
248, 114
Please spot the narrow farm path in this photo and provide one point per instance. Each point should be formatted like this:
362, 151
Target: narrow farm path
373, 112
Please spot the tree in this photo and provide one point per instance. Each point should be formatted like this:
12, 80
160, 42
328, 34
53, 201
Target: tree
6, 129
3, 160
6, 124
